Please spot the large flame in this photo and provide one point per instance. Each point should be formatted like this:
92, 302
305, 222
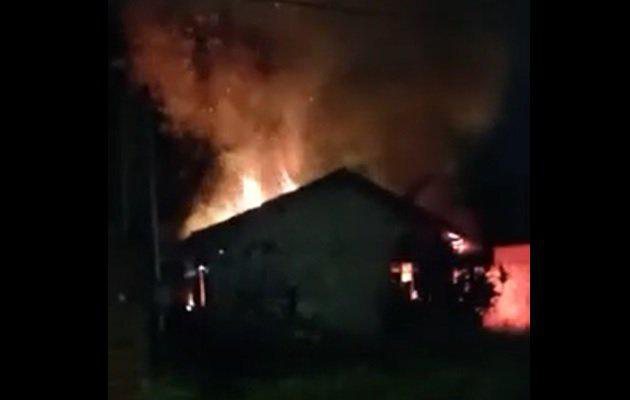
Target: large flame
212, 84
249, 195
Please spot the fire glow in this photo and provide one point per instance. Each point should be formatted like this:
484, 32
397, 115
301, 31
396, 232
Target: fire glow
250, 195
404, 274
219, 90
510, 310
271, 100
459, 244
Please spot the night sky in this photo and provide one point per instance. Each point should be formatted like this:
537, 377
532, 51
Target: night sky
496, 177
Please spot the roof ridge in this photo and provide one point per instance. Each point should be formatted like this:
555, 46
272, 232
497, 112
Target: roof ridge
339, 175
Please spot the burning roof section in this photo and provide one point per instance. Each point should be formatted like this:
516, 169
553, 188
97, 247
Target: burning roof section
337, 180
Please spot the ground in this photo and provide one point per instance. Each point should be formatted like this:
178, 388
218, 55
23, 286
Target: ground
126, 348
486, 368
494, 379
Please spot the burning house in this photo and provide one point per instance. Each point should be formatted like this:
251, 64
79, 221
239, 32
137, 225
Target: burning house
338, 252
259, 100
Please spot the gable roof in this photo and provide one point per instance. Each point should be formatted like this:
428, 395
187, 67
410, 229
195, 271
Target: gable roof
342, 178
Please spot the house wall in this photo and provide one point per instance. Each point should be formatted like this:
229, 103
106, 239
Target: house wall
510, 310
334, 246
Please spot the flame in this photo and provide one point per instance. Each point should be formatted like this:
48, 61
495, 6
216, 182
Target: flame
459, 244
190, 304
407, 273
223, 91
270, 97
404, 272
510, 310
252, 196
287, 183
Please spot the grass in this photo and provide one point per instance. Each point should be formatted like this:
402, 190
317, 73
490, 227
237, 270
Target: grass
125, 352
500, 372
493, 368
455, 383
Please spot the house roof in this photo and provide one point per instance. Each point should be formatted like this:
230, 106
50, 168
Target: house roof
342, 178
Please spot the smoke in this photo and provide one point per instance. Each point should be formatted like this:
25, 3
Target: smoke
282, 92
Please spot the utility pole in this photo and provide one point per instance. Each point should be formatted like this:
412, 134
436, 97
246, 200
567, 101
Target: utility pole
124, 155
160, 298
155, 228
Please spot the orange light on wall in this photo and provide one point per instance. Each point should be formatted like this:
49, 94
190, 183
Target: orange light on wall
510, 274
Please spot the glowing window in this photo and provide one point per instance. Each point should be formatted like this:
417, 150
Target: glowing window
407, 272
402, 273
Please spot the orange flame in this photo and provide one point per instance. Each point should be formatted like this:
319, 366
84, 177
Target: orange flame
281, 100
250, 195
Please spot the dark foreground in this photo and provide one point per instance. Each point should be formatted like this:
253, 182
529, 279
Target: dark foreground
492, 374
480, 367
